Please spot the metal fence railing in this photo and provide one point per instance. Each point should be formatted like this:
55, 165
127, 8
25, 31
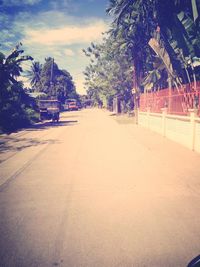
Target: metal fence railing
177, 101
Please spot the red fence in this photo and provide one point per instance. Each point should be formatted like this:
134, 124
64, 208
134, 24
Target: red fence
178, 101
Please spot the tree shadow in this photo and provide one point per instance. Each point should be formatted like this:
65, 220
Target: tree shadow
50, 124
16, 143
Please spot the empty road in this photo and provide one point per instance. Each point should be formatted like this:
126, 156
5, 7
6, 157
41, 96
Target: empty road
94, 191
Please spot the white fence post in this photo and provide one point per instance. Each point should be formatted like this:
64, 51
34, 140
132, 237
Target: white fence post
148, 118
164, 113
192, 127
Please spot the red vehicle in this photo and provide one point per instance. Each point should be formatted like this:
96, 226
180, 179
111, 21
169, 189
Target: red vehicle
71, 104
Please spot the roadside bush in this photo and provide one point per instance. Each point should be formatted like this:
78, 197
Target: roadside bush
12, 117
15, 109
32, 115
15, 104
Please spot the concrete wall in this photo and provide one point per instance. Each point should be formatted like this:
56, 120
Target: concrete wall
155, 122
197, 137
182, 129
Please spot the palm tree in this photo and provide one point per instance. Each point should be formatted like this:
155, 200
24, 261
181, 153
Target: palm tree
139, 21
35, 74
10, 66
133, 19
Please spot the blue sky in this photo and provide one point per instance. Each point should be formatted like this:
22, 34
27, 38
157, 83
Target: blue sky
60, 29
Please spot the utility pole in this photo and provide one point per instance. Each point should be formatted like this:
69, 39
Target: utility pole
51, 78
135, 94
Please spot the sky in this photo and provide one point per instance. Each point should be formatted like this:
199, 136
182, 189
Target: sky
58, 29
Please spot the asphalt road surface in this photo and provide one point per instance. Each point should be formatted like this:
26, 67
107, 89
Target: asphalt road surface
92, 191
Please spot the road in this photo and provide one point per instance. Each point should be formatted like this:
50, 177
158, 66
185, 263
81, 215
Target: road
95, 192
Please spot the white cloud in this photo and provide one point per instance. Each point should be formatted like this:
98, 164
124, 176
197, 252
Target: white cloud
81, 53
19, 2
67, 35
60, 4
25, 81
68, 52
56, 53
61, 36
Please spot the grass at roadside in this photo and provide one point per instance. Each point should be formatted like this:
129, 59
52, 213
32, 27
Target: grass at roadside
124, 118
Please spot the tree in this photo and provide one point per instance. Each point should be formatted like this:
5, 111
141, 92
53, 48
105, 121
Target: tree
110, 72
133, 21
55, 82
10, 66
144, 50
15, 109
35, 74
139, 21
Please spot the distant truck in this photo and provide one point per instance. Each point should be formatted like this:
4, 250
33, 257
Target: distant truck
70, 105
49, 110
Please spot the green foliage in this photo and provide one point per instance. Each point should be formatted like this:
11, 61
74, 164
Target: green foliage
138, 21
34, 74
48, 78
125, 60
16, 111
15, 104
110, 72
32, 115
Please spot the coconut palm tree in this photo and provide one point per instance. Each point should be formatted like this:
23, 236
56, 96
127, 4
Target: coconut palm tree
134, 21
35, 74
139, 21
10, 66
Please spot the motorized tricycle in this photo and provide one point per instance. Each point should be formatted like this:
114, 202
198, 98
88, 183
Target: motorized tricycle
49, 110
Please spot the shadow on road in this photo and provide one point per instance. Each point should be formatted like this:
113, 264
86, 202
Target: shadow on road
16, 143
49, 124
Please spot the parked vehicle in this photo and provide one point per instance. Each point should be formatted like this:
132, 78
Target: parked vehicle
49, 110
71, 104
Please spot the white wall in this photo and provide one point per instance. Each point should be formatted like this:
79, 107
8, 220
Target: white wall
156, 123
178, 130
182, 129
197, 137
